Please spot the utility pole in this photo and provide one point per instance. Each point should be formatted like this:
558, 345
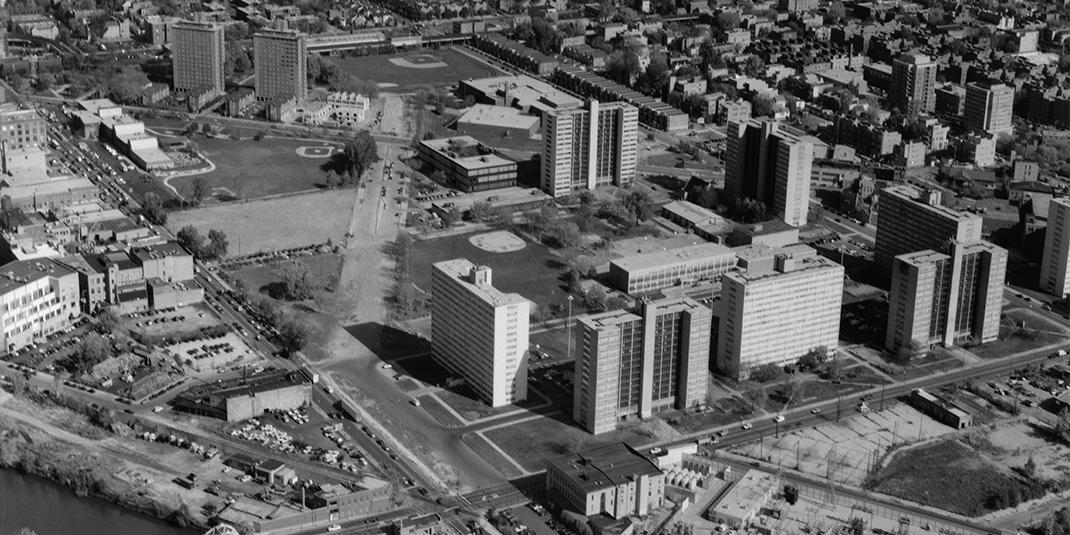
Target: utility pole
882, 397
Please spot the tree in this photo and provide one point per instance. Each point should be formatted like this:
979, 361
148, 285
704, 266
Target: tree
199, 192
190, 238
540, 221
1030, 467
450, 216
837, 12
763, 106
596, 298
297, 281
217, 244
359, 154
109, 321
563, 235
480, 211
749, 210
639, 205
152, 209
727, 21
92, 350
585, 216
292, 337
767, 373
623, 66
813, 358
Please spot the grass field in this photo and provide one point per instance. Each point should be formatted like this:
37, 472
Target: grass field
272, 224
948, 475
251, 169
324, 270
381, 70
533, 271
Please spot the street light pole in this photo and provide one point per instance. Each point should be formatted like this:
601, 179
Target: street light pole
568, 327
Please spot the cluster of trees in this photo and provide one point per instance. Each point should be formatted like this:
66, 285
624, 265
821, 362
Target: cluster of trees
748, 210
324, 70
153, 210
406, 301
500, 217
359, 154
297, 283
90, 351
542, 35
215, 247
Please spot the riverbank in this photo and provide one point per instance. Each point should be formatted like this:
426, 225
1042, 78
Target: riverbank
63, 447
32, 502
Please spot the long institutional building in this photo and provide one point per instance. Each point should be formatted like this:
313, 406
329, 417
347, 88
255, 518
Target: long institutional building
636, 364
198, 56
647, 272
781, 304
281, 61
1055, 265
771, 163
911, 220
479, 332
590, 146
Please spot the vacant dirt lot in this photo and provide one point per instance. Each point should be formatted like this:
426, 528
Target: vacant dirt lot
274, 224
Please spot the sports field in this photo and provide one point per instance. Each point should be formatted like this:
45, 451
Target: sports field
272, 224
402, 72
251, 169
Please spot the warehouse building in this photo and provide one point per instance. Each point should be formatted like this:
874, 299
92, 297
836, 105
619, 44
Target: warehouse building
247, 397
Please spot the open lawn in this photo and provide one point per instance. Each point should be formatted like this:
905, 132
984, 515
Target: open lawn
952, 476
266, 278
533, 271
534, 442
394, 77
272, 224
1018, 332
251, 169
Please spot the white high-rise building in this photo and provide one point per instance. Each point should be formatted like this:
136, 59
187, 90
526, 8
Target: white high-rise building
587, 147
989, 108
632, 365
782, 304
1055, 265
913, 83
479, 332
912, 219
945, 297
771, 163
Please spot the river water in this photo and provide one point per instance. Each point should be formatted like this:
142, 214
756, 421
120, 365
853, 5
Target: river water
31, 502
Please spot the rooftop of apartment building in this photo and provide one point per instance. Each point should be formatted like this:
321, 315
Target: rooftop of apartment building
691, 212
605, 466
672, 256
464, 271
19, 273
759, 262
921, 198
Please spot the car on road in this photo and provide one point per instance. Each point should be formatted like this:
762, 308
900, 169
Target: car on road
747, 425
779, 418
333, 528
815, 410
157, 409
387, 366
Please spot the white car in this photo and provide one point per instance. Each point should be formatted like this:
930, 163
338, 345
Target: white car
747, 425
779, 418
334, 527
815, 410
157, 409
387, 366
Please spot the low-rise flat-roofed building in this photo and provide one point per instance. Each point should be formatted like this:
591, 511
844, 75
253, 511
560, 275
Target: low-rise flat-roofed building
468, 164
613, 479
940, 409
247, 397
689, 215
497, 125
525, 93
782, 304
769, 233
741, 504
479, 332
51, 194
347, 108
632, 365
429, 524
652, 271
